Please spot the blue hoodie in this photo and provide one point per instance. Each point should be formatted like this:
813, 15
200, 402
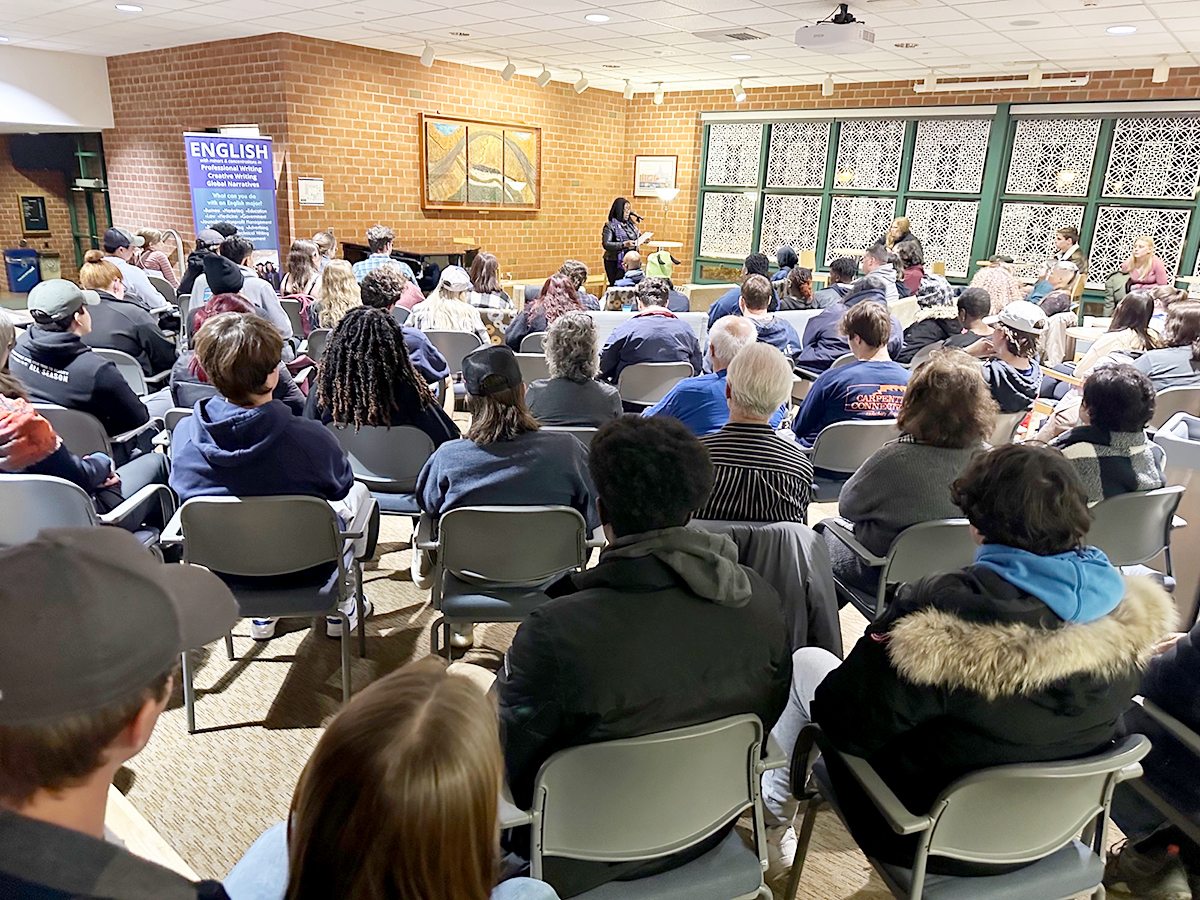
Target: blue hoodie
780, 334
1078, 586
224, 450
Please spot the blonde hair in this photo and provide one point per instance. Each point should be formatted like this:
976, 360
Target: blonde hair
326, 243
97, 273
445, 310
1144, 270
150, 235
337, 292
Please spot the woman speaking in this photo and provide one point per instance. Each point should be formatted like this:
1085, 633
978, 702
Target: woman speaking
620, 235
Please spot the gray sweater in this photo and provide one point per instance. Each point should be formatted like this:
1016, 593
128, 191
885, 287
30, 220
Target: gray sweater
560, 401
903, 483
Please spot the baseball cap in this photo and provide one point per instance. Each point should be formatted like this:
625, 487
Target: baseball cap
209, 238
59, 298
455, 278
121, 237
127, 618
1020, 315
490, 370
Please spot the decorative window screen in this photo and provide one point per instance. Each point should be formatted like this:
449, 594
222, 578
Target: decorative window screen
727, 224
1053, 156
949, 155
1027, 232
790, 219
733, 153
1154, 157
1117, 227
945, 229
796, 158
857, 222
868, 154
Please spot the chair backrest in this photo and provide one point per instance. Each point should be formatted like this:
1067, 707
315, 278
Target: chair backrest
924, 353
649, 382
80, 431
512, 544
317, 339
34, 502
454, 345
583, 432
1175, 400
293, 308
928, 547
844, 446
174, 416
808, 259
798, 318
259, 536
163, 286
533, 366
1077, 285
534, 342
130, 368
1133, 528
1006, 428
844, 360
636, 798
400, 314
1023, 812
938, 267
387, 460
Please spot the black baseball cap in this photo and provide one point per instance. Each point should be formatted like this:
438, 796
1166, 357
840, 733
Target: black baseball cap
120, 237
490, 370
99, 619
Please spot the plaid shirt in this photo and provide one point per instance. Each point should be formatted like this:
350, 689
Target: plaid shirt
374, 261
490, 301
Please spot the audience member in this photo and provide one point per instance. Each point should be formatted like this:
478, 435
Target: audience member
303, 269
937, 319
1164, 295
652, 334
156, 255
660, 264
1144, 267
1109, 448
439, 730
383, 288
757, 475
974, 305
727, 303
571, 395
366, 378
327, 244
207, 242
1066, 247
577, 272
1029, 655
872, 387
1053, 293
120, 249
881, 262
486, 292
121, 324
224, 229
1177, 364
912, 263
900, 232
824, 341
772, 329
787, 260
558, 296
797, 289
379, 242
998, 280
447, 308
631, 265
337, 293
577, 672
677, 301
946, 416
238, 251
842, 273
81, 701
244, 443
1012, 372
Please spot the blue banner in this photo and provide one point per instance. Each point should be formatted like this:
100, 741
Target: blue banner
233, 180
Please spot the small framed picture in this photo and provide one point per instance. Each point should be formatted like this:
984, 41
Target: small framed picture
653, 172
34, 218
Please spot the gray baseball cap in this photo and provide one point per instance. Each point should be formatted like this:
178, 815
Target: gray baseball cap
59, 298
100, 619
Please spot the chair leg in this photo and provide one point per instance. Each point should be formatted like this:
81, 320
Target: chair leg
189, 693
345, 655
362, 610
802, 841
446, 640
229, 646
433, 636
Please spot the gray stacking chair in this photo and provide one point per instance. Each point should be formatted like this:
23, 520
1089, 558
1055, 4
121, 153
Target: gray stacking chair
248, 537
171, 418
1170, 806
1014, 814
387, 461
454, 345
1134, 528
533, 366
844, 360
400, 314
1174, 400
131, 371
83, 433
1006, 428
644, 384
1180, 438
534, 342
317, 339
163, 286
295, 316
841, 448
583, 432
923, 354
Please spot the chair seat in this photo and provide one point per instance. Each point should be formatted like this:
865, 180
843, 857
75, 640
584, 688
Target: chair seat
475, 603
730, 869
292, 600
828, 487
397, 504
861, 600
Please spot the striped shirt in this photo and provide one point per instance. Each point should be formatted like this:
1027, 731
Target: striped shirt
759, 476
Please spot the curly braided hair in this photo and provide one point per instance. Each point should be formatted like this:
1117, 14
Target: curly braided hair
366, 368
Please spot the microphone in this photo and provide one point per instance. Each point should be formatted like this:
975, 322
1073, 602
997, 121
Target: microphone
634, 215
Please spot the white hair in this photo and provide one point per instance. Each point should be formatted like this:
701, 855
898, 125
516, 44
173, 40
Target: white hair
760, 380
729, 335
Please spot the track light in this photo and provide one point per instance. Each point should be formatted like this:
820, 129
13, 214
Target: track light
544, 78
1161, 73
659, 93
427, 56
739, 92
628, 90
1035, 77
827, 86
931, 82
508, 71
582, 84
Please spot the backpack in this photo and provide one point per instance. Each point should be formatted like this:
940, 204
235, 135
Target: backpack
309, 311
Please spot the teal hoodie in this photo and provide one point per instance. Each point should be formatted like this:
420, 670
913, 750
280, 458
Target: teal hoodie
1079, 585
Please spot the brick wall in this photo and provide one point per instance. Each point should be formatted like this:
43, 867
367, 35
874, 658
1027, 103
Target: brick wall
15, 182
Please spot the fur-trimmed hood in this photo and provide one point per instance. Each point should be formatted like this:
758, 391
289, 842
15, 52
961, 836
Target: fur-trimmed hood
937, 648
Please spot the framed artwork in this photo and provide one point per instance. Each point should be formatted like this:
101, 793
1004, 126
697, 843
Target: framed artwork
653, 172
469, 164
34, 218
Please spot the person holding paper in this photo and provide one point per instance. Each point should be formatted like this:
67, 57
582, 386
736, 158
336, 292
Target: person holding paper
620, 235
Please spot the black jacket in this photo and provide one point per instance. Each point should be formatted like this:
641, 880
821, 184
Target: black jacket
966, 671
928, 331
124, 325
614, 236
58, 367
195, 268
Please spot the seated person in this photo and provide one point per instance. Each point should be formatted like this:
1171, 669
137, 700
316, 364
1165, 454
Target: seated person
653, 334
383, 288
244, 443
336, 293
939, 316
974, 305
366, 378
677, 301
998, 280
120, 324
424, 722
879, 261
945, 417
912, 263
843, 272
1051, 290
447, 308
571, 395
727, 303
207, 243
1029, 655
80, 702
239, 251
577, 274
787, 260
1177, 364
631, 264
121, 247
824, 341
772, 329
486, 292
870, 388
577, 672
757, 475
797, 289
1012, 370
504, 459
558, 295
1109, 448
699, 402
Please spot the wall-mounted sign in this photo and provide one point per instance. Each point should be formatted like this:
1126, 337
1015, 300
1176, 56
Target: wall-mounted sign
312, 191
233, 180
34, 218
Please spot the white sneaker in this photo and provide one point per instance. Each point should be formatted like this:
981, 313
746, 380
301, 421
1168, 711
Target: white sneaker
333, 624
462, 636
781, 851
262, 629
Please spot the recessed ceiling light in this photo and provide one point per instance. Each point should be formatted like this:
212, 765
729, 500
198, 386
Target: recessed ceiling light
1024, 23
906, 45
598, 18
3, 40
740, 56
1121, 29
128, 7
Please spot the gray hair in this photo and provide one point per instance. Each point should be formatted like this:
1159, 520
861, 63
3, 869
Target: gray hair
729, 335
572, 347
379, 236
760, 380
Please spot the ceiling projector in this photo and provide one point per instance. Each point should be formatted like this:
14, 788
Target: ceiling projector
840, 34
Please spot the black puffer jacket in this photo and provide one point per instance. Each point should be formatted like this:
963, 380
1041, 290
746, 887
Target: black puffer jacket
195, 268
124, 325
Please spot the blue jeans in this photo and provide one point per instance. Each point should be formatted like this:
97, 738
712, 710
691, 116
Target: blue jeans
262, 874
